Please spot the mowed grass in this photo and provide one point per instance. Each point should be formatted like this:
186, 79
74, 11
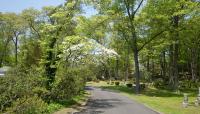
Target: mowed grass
163, 101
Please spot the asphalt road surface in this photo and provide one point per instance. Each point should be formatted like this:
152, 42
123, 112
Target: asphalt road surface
110, 102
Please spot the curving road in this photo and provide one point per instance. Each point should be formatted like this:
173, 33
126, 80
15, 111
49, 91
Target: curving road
109, 102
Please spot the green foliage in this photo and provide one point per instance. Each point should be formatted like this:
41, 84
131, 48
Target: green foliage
73, 78
30, 53
20, 83
129, 85
142, 86
58, 49
52, 107
146, 76
28, 105
158, 83
117, 83
188, 84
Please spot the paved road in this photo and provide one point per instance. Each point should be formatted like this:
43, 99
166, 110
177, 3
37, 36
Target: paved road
109, 102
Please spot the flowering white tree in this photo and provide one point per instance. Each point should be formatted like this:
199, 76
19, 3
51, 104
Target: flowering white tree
78, 49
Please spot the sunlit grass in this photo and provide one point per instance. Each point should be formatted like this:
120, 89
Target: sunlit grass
164, 101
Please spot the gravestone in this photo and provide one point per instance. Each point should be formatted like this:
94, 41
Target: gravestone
199, 93
185, 101
197, 101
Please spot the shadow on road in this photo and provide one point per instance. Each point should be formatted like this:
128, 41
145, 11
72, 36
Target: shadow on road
107, 101
95, 106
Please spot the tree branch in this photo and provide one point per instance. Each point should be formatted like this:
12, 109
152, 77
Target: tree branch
138, 7
128, 11
37, 32
151, 39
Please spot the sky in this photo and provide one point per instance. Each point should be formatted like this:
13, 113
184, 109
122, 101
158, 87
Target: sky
18, 5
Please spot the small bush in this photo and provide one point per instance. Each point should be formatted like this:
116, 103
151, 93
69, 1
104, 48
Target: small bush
52, 107
194, 85
31, 105
188, 84
67, 84
41, 92
116, 83
159, 83
142, 86
129, 85
19, 83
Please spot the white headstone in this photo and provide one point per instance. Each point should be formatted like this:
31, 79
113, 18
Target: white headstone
197, 101
199, 92
185, 101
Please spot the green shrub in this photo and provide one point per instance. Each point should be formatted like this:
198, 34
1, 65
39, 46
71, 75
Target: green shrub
158, 83
17, 84
28, 105
67, 84
195, 85
41, 92
146, 76
188, 84
142, 86
52, 107
117, 83
129, 85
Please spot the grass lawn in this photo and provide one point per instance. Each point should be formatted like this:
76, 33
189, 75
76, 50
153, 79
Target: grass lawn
164, 101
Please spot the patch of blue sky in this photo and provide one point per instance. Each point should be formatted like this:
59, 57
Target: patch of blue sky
89, 11
17, 6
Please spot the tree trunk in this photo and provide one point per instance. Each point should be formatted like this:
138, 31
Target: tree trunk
50, 72
131, 16
153, 67
127, 64
174, 55
16, 53
136, 61
176, 66
163, 64
15, 41
193, 64
4, 53
148, 64
137, 71
110, 77
171, 67
117, 69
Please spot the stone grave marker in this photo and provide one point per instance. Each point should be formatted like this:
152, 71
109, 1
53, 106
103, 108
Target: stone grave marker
185, 101
197, 101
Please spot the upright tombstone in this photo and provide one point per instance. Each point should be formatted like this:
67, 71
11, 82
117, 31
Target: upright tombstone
197, 101
199, 93
185, 101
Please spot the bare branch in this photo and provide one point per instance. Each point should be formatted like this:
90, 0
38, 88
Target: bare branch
138, 7
128, 11
37, 32
151, 39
